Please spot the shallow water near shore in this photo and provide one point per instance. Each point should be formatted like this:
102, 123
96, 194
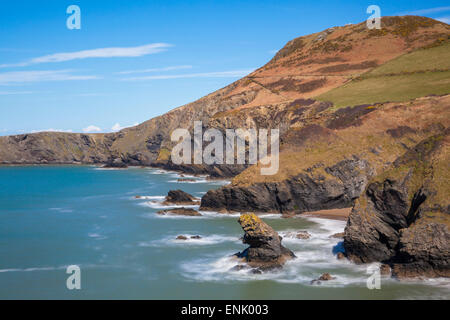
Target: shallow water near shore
55, 216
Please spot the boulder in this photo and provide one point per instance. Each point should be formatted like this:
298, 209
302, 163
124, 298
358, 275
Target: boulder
324, 277
181, 237
385, 270
179, 197
115, 163
340, 256
265, 251
186, 180
339, 235
179, 212
196, 237
303, 235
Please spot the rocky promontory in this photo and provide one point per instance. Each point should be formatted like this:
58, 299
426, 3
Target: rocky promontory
403, 217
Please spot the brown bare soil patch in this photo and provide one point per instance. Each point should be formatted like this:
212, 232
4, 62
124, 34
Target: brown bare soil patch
348, 67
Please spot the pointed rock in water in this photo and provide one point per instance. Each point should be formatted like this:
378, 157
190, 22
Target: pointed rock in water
179, 197
265, 250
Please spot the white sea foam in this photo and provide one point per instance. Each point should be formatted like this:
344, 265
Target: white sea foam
314, 257
97, 236
62, 210
149, 198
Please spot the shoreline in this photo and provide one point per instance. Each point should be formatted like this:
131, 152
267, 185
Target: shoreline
332, 214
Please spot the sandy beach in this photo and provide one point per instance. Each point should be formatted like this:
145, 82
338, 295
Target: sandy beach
335, 214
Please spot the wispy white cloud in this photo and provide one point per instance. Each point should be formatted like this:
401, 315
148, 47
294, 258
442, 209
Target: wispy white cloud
4, 93
156, 69
52, 130
41, 76
444, 19
118, 127
426, 11
91, 128
114, 52
221, 74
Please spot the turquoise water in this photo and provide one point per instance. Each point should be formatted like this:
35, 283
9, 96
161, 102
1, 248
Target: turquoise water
52, 217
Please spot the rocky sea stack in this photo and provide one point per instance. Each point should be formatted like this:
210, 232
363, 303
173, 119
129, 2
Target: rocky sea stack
265, 251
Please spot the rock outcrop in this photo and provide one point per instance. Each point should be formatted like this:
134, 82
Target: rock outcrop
403, 217
179, 197
180, 212
304, 192
265, 250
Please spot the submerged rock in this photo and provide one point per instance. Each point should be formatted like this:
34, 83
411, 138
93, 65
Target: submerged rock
265, 250
339, 235
303, 235
196, 237
179, 197
340, 256
179, 212
298, 235
324, 277
186, 180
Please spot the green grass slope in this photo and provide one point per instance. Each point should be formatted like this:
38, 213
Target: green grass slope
416, 74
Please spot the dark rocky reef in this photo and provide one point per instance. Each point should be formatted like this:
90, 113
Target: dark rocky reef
403, 216
180, 212
179, 197
302, 193
265, 250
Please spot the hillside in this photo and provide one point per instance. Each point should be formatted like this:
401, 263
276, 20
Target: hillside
306, 67
364, 119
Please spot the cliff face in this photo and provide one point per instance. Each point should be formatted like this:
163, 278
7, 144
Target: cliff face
403, 216
327, 158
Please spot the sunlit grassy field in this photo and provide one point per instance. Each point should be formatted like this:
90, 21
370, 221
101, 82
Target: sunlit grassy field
417, 74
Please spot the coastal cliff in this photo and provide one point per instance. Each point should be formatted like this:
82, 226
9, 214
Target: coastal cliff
402, 218
363, 118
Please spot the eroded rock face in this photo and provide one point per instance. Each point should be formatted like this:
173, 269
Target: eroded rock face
179, 197
265, 250
299, 194
403, 217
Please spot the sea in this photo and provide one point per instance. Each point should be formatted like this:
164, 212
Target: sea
53, 217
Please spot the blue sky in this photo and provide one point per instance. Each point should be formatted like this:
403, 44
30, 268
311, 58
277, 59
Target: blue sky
133, 60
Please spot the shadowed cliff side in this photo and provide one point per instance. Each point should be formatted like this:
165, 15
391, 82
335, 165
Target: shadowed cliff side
403, 217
